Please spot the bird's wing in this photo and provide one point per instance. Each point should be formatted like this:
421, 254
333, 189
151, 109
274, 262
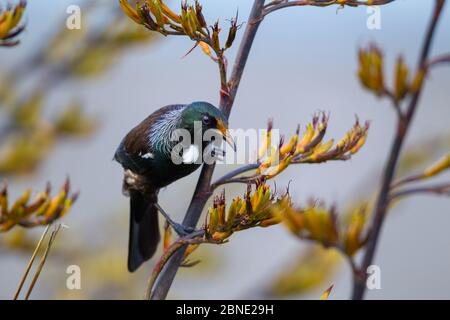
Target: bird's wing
138, 162
135, 151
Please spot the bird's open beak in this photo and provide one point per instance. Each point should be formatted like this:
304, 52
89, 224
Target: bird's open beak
222, 127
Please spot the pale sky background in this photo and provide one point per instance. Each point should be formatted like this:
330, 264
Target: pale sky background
303, 60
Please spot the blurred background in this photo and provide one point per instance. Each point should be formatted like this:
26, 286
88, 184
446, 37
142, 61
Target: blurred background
93, 85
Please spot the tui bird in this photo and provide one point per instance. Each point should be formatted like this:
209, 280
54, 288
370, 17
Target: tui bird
146, 155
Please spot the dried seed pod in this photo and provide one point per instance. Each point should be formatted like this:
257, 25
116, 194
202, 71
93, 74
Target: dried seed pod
146, 17
215, 42
200, 18
232, 32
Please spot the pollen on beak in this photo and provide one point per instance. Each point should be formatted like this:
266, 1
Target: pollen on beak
223, 129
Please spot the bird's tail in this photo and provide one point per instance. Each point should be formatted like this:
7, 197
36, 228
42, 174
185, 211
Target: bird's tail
144, 230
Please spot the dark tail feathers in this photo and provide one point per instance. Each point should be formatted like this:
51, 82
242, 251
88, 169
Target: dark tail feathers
144, 230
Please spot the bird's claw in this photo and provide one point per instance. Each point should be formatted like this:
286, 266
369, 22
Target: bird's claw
181, 229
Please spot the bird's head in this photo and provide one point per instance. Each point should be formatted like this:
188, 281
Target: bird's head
210, 117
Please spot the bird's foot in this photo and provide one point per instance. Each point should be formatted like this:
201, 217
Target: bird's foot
179, 228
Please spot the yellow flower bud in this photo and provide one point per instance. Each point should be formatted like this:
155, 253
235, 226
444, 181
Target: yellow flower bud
192, 17
206, 49
266, 142
215, 42
169, 13
3, 202
326, 293
18, 13
232, 213
213, 220
401, 79
278, 168
359, 144
418, 80
6, 20
306, 139
220, 236
187, 27
155, 8
289, 147
55, 203
441, 165
371, 69
270, 222
20, 203
130, 11
352, 240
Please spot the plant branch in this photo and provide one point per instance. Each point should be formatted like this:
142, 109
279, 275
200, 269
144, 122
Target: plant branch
403, 125
222, 62
406, 180
43, 260
229, 177
203, 189
281, 4
192, 238
438, 60
30, 263
442, 189
395, 104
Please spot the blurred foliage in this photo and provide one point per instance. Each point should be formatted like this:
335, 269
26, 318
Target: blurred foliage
431, 171
99, 50
372, 77
296, 273
23, 151
10, 27
26, 135
43, 210
102, 259
74, 122
30, 129
318, 223
400, 188
423, 152
310, 270
104, 273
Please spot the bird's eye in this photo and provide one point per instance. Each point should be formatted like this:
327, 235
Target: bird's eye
206, 120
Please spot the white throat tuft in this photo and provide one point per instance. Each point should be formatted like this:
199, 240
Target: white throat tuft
191, 154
